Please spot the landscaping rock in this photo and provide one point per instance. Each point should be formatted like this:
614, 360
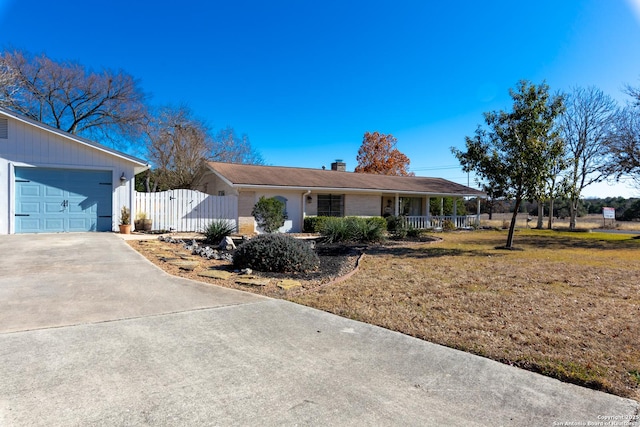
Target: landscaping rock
287, 284
216, 274
185, 265
252, 281
227, 244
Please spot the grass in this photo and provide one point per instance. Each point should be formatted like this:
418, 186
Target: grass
589, 222
567, 306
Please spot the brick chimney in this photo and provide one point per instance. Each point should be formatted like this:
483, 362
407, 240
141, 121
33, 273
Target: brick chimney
339, 165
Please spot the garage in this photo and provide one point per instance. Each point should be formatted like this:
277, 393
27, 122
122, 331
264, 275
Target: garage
52, 181
59, 200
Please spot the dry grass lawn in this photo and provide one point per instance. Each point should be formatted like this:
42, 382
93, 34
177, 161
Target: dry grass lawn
567, 305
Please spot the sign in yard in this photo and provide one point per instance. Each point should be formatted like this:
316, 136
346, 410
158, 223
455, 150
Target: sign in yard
609, 213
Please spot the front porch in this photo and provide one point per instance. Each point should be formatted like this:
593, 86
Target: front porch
428, 211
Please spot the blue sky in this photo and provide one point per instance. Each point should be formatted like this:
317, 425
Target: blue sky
306, 79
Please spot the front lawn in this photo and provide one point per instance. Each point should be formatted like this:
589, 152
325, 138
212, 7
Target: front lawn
567, 305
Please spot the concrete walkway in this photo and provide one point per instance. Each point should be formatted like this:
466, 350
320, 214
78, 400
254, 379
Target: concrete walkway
91, 333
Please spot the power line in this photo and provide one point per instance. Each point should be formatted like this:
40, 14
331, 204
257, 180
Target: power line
435, 168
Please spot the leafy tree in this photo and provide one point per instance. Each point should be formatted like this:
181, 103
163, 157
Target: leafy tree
587, 126
519, 149
69, 96
632, 213
378, 155
269, 213
447, 206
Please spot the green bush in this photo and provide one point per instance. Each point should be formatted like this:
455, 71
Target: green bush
217, 230
397, 226
269, 213
276, 252
334, 229
448, 225
313, 224
353, 229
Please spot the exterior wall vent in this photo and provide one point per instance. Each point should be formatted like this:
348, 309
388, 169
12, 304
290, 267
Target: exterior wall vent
4, 128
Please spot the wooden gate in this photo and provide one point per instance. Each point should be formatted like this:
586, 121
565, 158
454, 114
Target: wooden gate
185, 210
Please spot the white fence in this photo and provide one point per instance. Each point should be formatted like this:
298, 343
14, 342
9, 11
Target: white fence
426, 222
185, 210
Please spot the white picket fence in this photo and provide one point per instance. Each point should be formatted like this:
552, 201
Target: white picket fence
185, 210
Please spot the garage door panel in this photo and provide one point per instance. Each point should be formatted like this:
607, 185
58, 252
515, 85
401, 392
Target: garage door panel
29, 190
55, 200
81, 224
53, 207
53, 192
54, 224
30, 208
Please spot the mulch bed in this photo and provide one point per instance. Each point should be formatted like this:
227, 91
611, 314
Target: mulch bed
336, 260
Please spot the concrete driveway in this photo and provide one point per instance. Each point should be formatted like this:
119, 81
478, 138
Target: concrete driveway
93, 334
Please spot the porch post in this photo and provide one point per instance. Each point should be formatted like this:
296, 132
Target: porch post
455, 212
441, 206
428, 214
397, 208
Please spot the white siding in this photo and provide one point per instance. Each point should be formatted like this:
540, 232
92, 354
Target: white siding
29, 145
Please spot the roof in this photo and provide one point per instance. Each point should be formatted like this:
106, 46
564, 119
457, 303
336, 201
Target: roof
241, 175
76, 138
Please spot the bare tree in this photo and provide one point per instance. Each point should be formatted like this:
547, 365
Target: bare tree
624, 145
7, 83
587, 125
230, 148
71, 97
177, 143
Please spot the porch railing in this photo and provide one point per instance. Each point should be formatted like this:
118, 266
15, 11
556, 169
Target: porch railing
437, 222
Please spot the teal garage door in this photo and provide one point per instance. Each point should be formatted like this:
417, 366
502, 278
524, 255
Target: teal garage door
61, 200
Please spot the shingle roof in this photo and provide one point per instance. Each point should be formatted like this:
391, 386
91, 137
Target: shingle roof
302, 178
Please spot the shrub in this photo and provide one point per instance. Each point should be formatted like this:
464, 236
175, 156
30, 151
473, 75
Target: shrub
217, 230
352, 229
276, 252
334, 229
313, 224
414, 232
397, 225
269, 213
366, 229
448, 225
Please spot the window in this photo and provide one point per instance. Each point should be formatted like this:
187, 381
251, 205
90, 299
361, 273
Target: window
330, 205
411, 206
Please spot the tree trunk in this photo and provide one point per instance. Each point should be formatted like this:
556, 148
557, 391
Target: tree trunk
550, 223
573, 210
540, 214
512, 227
490, 206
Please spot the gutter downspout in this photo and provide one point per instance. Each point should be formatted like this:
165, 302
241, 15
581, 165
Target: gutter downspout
304, 209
